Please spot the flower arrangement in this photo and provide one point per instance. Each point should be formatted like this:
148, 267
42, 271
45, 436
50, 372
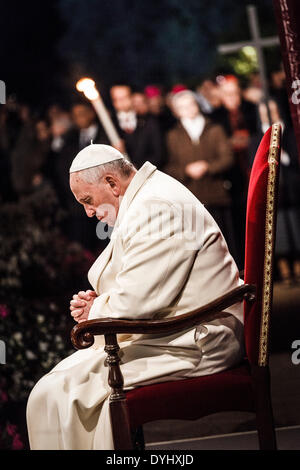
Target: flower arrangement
39, 272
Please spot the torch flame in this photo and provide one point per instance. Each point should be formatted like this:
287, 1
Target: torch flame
87, 86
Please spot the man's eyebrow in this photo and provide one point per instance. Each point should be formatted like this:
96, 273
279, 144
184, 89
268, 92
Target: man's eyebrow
83, 199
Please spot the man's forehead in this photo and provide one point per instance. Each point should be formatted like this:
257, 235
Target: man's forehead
74, 180
120, 90
75, 176
77, 184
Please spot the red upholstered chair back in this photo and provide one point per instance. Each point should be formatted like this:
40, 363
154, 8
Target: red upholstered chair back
260, 241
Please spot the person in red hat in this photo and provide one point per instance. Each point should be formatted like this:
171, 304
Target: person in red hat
158, 108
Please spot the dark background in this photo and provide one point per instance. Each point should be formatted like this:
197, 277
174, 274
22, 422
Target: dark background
46, 46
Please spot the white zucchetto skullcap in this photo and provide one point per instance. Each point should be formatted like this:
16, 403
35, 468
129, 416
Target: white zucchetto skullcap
94, 155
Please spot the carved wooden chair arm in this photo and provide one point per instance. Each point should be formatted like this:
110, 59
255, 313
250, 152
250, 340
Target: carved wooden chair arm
82, 335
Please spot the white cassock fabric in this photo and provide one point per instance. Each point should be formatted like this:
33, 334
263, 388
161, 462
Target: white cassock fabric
144, 274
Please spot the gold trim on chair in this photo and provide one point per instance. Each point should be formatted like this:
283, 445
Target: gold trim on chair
273, 160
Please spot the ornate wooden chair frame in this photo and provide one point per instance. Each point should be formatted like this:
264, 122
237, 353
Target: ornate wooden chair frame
82, 334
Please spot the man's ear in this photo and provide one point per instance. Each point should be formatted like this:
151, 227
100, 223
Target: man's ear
114, 184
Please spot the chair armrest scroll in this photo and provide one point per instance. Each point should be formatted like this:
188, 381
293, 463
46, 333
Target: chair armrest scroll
82, 334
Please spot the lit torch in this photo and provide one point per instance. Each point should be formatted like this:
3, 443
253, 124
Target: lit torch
87, 86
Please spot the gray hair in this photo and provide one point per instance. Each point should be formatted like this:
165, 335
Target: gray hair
122, 167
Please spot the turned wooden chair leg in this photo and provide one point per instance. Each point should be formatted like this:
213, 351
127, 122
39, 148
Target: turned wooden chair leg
120, 425
264, 411
117, 401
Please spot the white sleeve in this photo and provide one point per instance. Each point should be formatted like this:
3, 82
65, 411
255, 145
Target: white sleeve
156, 264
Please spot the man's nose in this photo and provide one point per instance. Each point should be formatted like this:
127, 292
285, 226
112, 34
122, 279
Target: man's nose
90, 212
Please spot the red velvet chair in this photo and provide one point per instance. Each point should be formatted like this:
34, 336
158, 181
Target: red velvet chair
242, 388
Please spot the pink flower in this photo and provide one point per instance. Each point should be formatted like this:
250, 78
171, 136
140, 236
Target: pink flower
3, 396
11, 429
3, 311
17, 443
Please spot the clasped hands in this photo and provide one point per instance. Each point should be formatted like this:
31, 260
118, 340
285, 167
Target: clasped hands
81, 304
197, 169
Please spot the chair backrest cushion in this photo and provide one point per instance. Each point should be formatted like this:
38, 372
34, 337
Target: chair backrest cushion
260, 241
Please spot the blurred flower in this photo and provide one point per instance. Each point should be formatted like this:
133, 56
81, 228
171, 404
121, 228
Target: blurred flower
11, 429
37, 285
3, 311
30, 355
11, 432
17, 443
43, 346
3, 396
17, 336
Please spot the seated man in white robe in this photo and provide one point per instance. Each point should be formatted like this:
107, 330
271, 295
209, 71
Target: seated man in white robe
166, 256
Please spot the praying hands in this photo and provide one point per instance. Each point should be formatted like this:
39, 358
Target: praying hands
197, 169
81, 304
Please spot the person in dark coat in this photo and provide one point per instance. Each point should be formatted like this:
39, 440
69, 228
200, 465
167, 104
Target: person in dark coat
159, 109
278, 91
199, 154
239, 119
141, 133
29, 156
287, 247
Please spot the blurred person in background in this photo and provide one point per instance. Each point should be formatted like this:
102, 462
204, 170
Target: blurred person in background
159, 109
287, 248
86, 126
29, 155
278, 91
61, 123
239, 119
253, 92
208, 96
140, 132
55, 111
140, 103
177, 88
199, 154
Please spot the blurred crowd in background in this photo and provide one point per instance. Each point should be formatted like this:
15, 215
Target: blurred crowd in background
206, 138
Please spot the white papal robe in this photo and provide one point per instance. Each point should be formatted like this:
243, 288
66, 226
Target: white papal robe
166, 257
